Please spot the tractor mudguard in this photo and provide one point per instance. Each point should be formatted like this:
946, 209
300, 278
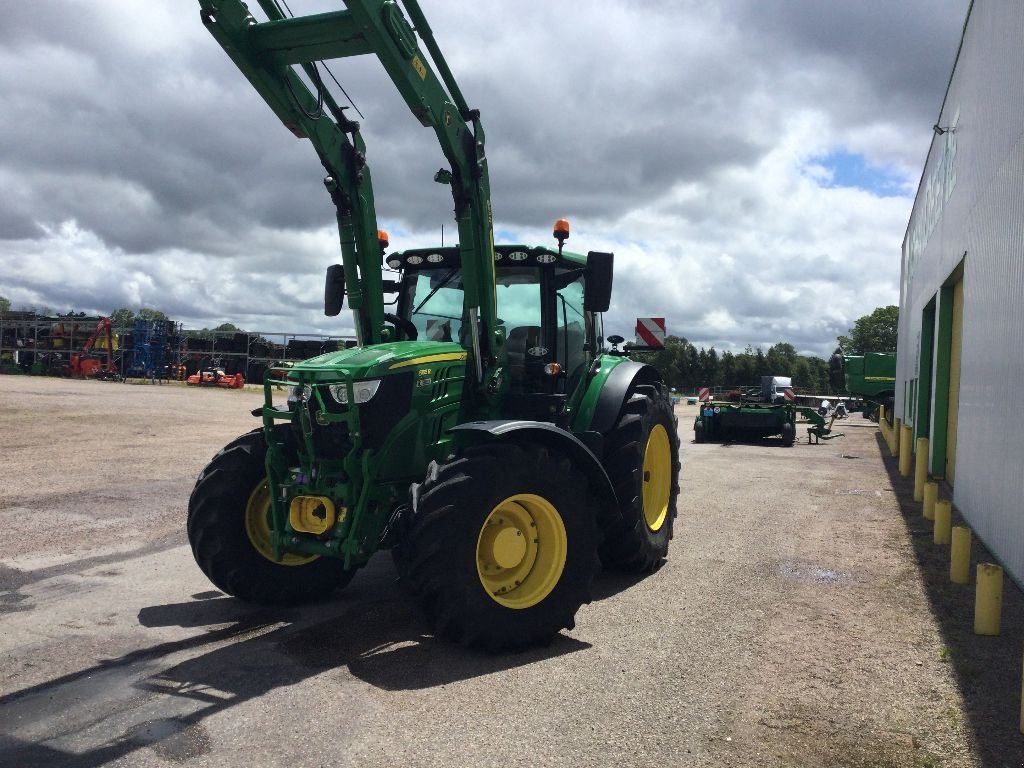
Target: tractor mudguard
515, 430
615, 390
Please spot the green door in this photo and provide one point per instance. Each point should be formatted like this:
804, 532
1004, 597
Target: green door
955, 346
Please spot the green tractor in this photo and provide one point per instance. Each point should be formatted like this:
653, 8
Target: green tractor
483, 431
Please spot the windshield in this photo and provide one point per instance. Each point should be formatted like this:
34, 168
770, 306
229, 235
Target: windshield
436, 301
435, 297
540, 328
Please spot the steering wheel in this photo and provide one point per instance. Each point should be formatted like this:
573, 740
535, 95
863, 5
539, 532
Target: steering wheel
405, 326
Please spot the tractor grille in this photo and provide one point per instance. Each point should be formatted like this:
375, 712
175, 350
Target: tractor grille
377, 418
330, 441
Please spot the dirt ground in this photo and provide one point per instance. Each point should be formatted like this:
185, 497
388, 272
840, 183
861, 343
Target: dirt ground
803, 618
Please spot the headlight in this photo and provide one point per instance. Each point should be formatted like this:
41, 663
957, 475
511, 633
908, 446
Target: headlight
364, 390
300, 394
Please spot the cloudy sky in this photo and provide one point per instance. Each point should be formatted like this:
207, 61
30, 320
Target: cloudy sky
751, 163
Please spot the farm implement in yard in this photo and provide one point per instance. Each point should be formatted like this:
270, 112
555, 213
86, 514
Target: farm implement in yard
719, 421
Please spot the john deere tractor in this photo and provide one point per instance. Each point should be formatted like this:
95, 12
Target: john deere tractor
482, 431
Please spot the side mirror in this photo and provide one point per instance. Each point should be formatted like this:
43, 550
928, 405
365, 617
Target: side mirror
334, 290
598, 290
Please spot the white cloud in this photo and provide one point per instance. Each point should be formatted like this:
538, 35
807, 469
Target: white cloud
687, 138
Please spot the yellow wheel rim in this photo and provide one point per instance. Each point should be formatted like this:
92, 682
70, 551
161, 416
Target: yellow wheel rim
657, 478
257, 526
521, 550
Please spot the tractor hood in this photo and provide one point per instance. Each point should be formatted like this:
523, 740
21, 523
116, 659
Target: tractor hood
377, 361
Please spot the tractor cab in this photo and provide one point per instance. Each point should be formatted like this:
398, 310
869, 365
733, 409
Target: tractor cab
549, 306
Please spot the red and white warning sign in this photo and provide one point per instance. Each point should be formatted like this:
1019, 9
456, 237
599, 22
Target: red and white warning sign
790, 394
650, 331
703, 394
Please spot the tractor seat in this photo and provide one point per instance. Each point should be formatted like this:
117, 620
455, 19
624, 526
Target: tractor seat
517, 342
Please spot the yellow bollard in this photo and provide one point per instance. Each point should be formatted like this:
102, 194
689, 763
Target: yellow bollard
920, 469
897, 426
906, 453
960, 556
988, 599
931, 495
942, 514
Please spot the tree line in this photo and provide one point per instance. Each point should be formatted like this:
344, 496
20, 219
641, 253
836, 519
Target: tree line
125, 317
687, 368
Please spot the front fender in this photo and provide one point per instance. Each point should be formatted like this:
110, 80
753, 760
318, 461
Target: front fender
550, 436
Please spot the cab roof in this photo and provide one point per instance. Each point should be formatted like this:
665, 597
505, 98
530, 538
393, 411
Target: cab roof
504, 256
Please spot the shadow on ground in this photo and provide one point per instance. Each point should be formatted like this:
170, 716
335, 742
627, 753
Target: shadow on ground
988, 669
160, 695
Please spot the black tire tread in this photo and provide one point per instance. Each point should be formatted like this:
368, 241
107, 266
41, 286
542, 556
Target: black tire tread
629, 544
446, 519
221, 546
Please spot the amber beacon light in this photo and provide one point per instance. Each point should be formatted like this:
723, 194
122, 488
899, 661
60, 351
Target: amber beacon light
561, 232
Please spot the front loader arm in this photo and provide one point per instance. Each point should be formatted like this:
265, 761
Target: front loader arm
266, 53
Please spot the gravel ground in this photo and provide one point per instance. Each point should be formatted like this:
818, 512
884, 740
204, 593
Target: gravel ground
803, 618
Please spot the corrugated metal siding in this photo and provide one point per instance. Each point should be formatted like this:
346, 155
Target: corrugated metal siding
983, 217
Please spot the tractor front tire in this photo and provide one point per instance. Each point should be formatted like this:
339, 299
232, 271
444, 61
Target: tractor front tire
642, 461
229, 530
502, 546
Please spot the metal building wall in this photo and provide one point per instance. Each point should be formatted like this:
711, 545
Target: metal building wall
970, 208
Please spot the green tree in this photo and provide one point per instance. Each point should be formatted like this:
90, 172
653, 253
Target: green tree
872, 333
227, 328
744, 369
5, 305
727, 368
122, 318
760, 365
781, 358
801, 375
712, 371
151, 314
677, 363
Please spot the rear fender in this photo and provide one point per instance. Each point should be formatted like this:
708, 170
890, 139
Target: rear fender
550, 436
615, 389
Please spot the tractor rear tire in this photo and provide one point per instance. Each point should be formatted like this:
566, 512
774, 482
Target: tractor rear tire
229, 530
642, 461
502, 546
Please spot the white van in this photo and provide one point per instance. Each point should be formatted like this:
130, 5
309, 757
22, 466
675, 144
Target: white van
773, 388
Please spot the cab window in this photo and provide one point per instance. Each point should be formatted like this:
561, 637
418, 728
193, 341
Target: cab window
519, 310
572, 330
434, 299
